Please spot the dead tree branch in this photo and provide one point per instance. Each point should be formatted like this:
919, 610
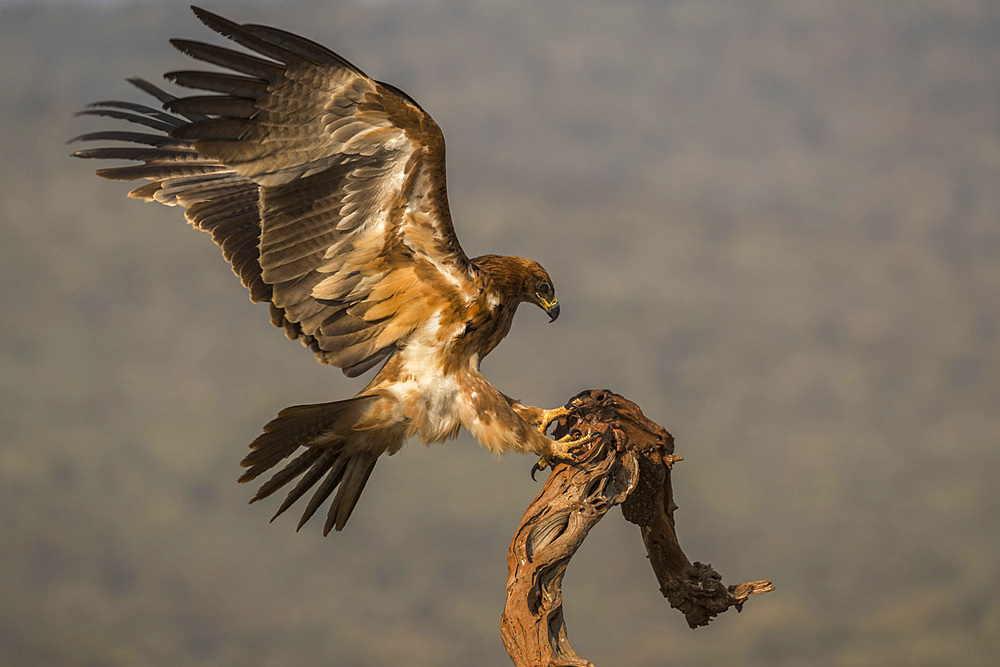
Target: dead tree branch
628, 464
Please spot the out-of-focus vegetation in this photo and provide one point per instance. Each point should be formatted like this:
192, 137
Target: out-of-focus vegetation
775, 225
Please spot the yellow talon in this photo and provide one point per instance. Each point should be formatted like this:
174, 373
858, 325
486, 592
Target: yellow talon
563, 449
549, 416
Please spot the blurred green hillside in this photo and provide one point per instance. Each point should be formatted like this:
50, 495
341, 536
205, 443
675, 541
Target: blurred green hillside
774, 225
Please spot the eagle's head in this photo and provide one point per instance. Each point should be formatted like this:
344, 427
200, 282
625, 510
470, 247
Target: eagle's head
540, 291
521, 280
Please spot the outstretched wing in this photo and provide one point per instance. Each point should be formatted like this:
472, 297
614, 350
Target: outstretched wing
355, 247
217, 199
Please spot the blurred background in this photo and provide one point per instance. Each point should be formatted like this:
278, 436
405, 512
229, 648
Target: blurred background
774, 225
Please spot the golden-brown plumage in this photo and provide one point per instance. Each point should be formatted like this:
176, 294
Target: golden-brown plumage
326, 191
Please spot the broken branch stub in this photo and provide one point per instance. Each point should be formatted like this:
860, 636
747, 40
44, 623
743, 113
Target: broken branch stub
628, 464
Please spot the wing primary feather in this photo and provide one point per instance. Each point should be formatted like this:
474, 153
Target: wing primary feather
220, 82
135, 153
272, 42
241, 62
118, 135
160, 94
150, 89
304, 48
139, 108
242, 36
131, 117
217, 105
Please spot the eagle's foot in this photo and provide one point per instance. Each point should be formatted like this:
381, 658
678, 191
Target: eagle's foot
567, 449
549, 416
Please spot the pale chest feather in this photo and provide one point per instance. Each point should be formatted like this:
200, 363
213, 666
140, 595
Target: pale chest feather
426, 391
429, 381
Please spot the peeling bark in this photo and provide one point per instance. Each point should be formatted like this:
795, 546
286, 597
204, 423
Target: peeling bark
628, 464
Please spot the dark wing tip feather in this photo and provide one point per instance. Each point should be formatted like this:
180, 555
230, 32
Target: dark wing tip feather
154, 123
120, 135
149, 88
223, 26
220, 82
273, 42
132, 106
213, 20
235, 60
140, 153
227, 106
300, 46
239, 34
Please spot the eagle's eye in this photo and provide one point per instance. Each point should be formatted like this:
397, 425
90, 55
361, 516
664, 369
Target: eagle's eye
544, 288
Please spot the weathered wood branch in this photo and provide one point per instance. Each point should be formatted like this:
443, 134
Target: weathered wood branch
628, 464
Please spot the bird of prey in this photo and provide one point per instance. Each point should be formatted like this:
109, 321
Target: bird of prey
325, 190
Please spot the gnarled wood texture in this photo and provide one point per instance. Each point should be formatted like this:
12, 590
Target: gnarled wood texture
628, 464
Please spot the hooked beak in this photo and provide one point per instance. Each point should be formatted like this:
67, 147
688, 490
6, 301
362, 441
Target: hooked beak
552, 308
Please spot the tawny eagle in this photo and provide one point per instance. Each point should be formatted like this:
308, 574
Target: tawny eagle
326, 191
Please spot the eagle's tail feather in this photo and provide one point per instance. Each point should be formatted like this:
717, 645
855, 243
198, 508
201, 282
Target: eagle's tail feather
331, 459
